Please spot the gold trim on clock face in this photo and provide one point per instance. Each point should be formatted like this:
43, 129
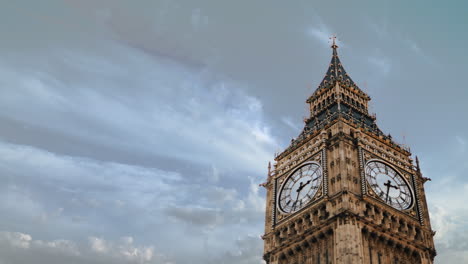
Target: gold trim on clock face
300, 187
389, 185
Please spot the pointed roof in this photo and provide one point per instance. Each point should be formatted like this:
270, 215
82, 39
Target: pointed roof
335, 72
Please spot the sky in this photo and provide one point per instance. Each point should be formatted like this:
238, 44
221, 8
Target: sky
139, 131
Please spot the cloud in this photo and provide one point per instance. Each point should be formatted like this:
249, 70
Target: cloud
380, 29
419, 51
321, 32
19, 248
125, 249
452, 229
16, 239
172, 111
81, 197
197, 216
63, 246
446, 195
245, 252
290, 123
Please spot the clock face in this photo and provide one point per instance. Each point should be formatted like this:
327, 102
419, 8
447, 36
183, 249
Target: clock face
389, 185
300, 187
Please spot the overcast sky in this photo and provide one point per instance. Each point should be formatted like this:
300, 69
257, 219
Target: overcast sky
138, 131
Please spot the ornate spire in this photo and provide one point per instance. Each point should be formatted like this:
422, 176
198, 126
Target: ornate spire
336, 73
417, 164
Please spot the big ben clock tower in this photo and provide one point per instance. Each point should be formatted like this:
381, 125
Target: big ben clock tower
343, 191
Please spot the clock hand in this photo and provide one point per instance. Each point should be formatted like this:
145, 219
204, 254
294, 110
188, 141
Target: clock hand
388, 190
299, 190
389, 184
301, 186
297, 196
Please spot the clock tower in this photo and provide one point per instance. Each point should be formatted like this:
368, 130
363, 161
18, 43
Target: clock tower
343, 191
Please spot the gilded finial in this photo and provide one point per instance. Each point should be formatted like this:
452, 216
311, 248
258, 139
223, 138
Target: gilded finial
333, 39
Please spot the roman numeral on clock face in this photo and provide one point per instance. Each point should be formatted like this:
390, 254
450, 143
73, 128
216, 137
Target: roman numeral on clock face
299, 188
390, 186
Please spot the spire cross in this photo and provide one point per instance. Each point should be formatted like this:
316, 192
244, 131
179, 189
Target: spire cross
333, 39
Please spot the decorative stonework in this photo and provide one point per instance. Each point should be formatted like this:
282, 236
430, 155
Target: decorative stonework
346, 221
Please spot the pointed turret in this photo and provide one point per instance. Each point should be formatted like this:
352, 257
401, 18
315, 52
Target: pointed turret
336, 74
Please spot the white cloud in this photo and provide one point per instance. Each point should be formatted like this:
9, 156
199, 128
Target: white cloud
16, 239
98, 244
255, 199
83, 194
290, 123
25, 242
84, 176
124, 248
98, 250
448, 217
322, 32
63, 246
